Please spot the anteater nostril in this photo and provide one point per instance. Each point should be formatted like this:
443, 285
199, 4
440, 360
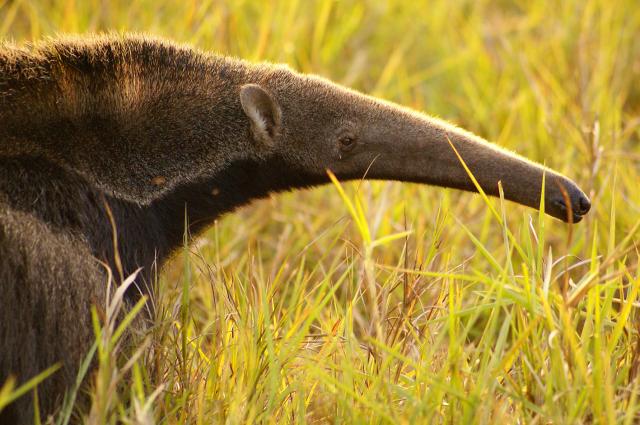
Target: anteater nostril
584, 204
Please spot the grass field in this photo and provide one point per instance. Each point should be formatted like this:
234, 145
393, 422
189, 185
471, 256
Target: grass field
396, 303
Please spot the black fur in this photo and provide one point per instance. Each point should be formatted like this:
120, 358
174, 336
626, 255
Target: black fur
54, 226
151, 130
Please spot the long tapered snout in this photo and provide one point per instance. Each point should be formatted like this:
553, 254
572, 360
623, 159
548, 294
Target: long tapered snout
413, 147
572, 205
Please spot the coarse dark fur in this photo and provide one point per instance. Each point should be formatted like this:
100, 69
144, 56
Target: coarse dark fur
152, 130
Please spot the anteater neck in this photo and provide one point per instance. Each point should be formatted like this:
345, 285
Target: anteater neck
211, 196
146, 234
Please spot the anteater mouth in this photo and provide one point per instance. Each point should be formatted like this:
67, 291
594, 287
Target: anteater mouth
577, 212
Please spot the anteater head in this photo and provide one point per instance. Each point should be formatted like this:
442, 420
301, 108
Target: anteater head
315, 126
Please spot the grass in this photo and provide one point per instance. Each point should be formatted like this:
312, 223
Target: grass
397, 303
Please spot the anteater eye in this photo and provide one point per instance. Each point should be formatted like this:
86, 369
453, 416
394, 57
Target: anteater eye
347, 142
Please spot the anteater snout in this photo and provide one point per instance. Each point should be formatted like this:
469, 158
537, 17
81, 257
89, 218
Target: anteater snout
580, 204
584, 204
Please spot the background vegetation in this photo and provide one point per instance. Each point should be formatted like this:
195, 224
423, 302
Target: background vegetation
398, 303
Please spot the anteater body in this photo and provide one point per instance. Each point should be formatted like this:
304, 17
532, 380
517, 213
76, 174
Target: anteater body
151, 130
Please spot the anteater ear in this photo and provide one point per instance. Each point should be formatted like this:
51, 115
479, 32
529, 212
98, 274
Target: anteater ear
263, 111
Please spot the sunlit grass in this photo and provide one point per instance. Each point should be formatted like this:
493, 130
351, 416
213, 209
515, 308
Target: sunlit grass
391, 303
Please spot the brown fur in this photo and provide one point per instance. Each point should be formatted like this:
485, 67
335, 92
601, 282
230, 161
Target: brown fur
152, 128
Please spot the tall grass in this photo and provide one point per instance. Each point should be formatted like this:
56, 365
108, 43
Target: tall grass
398, 303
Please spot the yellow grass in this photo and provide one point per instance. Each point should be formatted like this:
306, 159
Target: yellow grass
398, 303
